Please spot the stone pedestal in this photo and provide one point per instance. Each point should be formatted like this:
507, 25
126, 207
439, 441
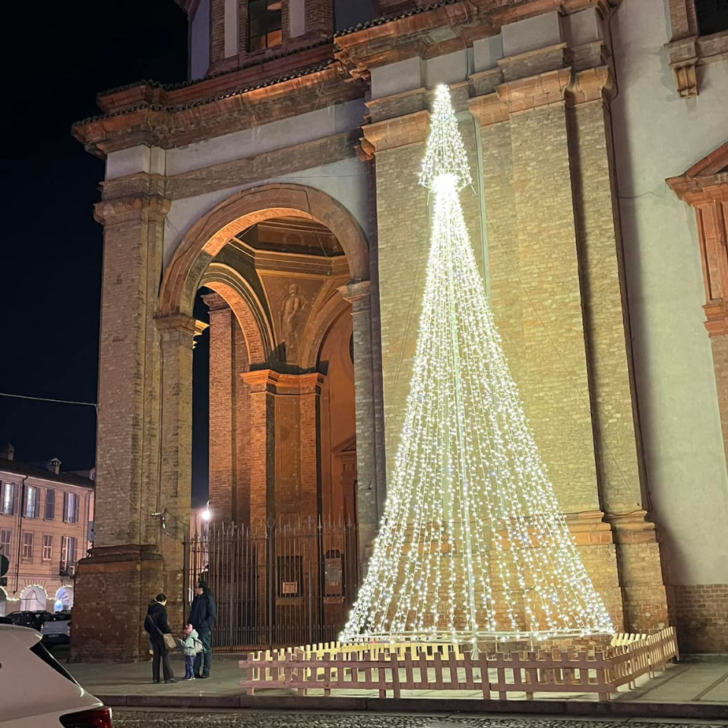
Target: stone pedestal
114, 586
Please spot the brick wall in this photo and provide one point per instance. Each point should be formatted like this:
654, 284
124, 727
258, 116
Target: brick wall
700, 614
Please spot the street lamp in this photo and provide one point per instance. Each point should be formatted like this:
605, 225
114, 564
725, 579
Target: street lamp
206, 514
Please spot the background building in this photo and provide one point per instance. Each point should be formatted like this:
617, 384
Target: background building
281, 181
46, 528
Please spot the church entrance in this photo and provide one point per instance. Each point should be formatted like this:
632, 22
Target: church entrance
280, 550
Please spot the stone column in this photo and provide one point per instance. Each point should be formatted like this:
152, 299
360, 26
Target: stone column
371, 486
126, 567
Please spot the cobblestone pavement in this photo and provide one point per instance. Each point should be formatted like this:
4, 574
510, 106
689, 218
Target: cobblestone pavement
199, 719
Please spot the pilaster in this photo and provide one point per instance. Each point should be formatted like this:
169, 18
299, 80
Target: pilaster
174, 489
558, 299
284, 460
131, 557
222, 419
371, 475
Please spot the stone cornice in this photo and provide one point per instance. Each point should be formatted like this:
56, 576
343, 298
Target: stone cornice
164, 119
167, 117
535, 91
441, 28
525, 94
131, 207
272, 382
398, 132
180, 329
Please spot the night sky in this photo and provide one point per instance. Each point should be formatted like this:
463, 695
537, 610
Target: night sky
51, 245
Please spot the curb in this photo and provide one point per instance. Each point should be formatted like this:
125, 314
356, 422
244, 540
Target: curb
293, 704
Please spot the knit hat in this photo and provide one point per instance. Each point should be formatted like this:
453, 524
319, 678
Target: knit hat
202, 585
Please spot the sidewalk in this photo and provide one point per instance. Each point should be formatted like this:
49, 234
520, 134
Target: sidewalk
686, 690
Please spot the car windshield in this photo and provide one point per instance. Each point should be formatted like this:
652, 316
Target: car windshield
40, 651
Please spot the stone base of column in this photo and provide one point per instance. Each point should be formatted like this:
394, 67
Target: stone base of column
640, 572
700, 614
113, 588
599, 555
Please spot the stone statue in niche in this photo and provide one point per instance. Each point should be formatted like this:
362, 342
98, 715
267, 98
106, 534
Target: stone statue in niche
293, 306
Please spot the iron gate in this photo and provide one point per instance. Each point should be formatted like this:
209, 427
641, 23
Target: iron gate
280, 584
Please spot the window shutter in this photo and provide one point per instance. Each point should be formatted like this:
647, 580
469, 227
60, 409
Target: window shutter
36, 504
76, 504
65, 507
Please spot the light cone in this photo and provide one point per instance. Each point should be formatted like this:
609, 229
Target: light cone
472, 545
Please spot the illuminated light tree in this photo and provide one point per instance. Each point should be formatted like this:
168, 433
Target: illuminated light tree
472, 545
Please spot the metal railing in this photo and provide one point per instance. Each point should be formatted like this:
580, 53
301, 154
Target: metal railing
281, 583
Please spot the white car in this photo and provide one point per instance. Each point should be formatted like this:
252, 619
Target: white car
56, 630
37, 692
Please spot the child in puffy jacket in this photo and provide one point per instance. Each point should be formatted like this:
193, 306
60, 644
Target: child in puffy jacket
191, 646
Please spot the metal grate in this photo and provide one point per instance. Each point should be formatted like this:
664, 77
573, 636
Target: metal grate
277, 584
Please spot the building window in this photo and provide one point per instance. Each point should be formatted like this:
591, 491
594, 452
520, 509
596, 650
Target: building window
70, 507
8, 499
28, 546
265, 29
50, 505
712, 16
32, 502
6, 536
68, 555
47, 547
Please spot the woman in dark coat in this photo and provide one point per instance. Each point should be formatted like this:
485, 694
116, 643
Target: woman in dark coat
157, 626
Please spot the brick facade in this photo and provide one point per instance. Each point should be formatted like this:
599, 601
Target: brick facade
537, 131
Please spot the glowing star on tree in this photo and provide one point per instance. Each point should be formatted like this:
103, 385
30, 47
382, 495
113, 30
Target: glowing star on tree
472, 545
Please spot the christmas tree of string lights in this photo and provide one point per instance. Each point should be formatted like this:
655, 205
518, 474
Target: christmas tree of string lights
472, 545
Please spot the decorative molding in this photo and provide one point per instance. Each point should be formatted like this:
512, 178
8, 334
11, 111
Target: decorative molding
123, 209
399, 132
705, 187
688, 49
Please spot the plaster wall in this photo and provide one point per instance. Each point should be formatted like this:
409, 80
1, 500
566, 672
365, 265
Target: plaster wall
658, 135
346, 181
276, 135
200, 41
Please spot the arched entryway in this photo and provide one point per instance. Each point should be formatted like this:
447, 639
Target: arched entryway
281, 269
33, 599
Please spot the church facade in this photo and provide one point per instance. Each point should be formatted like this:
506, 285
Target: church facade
280, 185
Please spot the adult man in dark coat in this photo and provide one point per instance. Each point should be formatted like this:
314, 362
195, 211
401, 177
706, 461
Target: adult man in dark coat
203, 615
157, 625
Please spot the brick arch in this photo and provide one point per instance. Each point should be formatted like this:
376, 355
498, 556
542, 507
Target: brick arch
229, 284
212, 232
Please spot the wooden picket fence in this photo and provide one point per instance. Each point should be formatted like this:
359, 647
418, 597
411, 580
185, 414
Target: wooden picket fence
395, 668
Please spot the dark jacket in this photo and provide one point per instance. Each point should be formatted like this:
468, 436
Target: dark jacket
203, 612
156, 622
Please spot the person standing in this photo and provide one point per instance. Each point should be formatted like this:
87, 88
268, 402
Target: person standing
157, 626
203, 615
